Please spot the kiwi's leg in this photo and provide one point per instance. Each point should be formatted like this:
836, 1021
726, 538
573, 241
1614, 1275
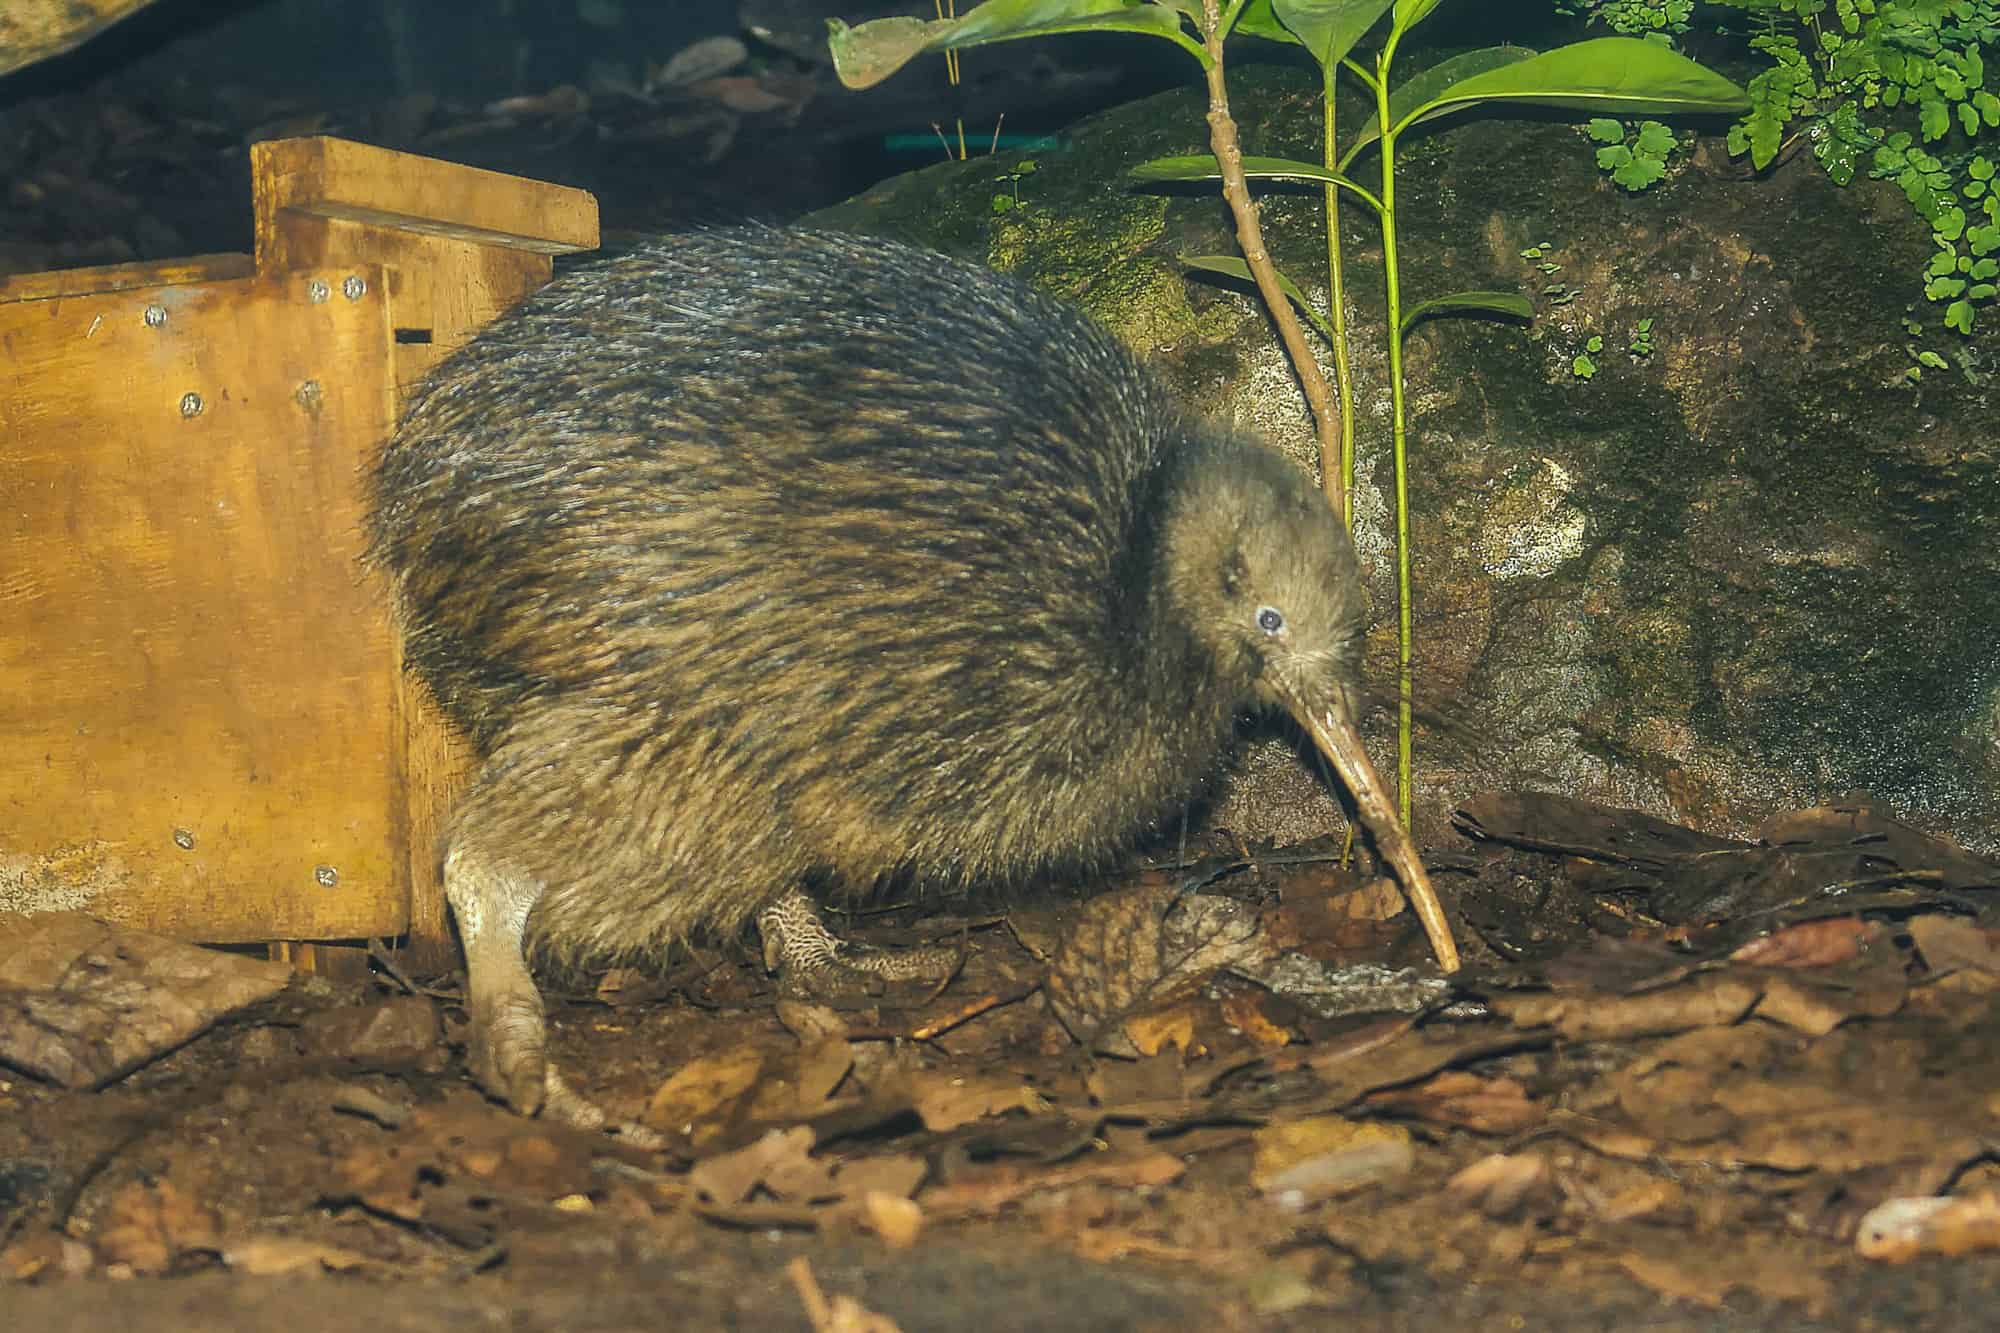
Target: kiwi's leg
813, 961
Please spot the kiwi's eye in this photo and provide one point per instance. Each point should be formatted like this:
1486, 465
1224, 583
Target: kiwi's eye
1270, 619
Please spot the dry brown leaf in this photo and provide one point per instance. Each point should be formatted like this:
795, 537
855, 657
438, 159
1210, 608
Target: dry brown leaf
897, 1220
1708, 1001
275, 1256
1960, 950
1164, 1029
1902, 1229
1244, 1011
1814, 1010
698, 1100
812, 1023
1810, 943
822, 1069
1499, 1184
449, 1154
1300, 1162
991, 1190
946, 1101
1487, 1105
1705, 1272
45, 1253
1142, 949
779, 1162
897, 1175
147, 1228
83, 1002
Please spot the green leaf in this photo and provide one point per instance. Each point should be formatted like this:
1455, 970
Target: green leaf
1423, 88
1639, 173
1582, 367
1968, 118
1622, 75
1933, 360
1958, 315
1409, 13
1258, 20
1932, 119
1203, 167
1329, 28
1604, 130
1655, 139
1511, 304
1232, 267
867, 53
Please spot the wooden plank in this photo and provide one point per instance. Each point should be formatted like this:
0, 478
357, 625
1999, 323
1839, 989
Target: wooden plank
444, 287
338, 179
121, 277
198, 686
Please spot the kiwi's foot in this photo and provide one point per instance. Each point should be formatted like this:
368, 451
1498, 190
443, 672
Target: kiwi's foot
813, 962
508, 1054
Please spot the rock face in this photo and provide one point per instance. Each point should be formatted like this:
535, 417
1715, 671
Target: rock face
1750, 569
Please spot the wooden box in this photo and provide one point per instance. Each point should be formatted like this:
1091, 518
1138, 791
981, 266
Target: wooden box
205, 728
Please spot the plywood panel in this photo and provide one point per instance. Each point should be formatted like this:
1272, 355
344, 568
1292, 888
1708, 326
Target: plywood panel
460, 246
198, 688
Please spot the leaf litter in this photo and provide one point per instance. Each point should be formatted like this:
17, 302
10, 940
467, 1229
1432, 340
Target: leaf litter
1719, 1070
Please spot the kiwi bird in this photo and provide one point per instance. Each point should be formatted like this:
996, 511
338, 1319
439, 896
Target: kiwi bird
758, 561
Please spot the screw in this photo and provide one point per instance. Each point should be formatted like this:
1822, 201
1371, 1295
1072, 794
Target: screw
190, 404
317, 291
309, 395
354, 287
325, 876
156, 315
184, 839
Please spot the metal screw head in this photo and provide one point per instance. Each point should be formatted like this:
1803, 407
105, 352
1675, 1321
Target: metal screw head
156, 315
326, 876
354, 287
317, 291
190, 404
184, 839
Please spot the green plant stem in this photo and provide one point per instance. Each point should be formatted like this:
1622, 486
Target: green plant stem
1336, 299
1250, 239
1405, 758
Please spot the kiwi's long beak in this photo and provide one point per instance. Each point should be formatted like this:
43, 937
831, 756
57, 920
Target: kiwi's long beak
1332, 729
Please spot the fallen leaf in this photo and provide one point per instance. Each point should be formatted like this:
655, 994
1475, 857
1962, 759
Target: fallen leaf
1962, 951
1454, 1097
1902, 1229
1499, 1184
779, 1162
84, 1002
698, 1100
1142, 949
898, 1221
1810, 943
1708, 1001
148, 1227
1300, 1162
274, 1256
